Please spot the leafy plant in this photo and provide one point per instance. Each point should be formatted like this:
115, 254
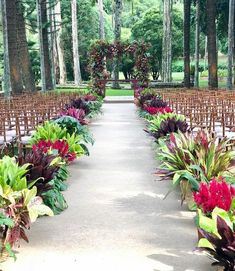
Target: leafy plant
146, 95
59, 147
18, 210
73, 126
201, 153
61, 177
53, 132
48, 131
170, 126
221, 247
78, 114
41, 169
94, 108
157, 102
75, 145
12, 176
54, 198
156, 122
79, 103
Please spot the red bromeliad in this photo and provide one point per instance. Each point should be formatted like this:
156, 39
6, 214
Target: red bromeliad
154, 110
217, 193
60, 145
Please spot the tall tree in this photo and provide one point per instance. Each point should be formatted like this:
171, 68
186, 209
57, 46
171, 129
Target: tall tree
59, 44
167, 42
101, 20
42, 19
11, 55
25, 63
212, 44
197, 43
117, 38
7, 76
76, 58
52, 43
187, 15
230, 44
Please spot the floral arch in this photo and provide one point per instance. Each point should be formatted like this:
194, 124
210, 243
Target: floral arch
102, 50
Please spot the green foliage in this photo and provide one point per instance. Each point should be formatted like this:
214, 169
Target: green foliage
52, 131
12, 176
48, 131
199, 157
94, 108
149, 29
19, 210
221, 73
55, 200
155, 122
87, 31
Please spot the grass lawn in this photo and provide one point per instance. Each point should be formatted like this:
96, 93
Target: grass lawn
179, 76
109, 91
119, 92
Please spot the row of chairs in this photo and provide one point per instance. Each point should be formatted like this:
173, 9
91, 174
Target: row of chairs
20, 115
213, 110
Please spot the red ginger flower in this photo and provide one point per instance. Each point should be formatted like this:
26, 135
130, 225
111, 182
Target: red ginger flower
217, 193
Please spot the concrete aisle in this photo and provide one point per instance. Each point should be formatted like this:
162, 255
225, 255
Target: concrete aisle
117, 219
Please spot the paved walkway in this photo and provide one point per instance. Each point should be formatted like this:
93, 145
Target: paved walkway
116, 220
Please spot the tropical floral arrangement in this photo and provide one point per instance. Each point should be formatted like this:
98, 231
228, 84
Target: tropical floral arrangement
203, 167
31, 185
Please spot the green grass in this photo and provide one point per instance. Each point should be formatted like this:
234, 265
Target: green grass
179, 76
119, 92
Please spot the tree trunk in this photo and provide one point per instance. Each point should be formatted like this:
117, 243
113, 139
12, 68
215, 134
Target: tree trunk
167, 42
25, 63
230, 44
117, 38
42, 66
46, 76
206, 54
45, 42
211, 43
7, 77
11, 39
187, 14
101, 20
50, 7
77, 70
59, 44
197, 44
